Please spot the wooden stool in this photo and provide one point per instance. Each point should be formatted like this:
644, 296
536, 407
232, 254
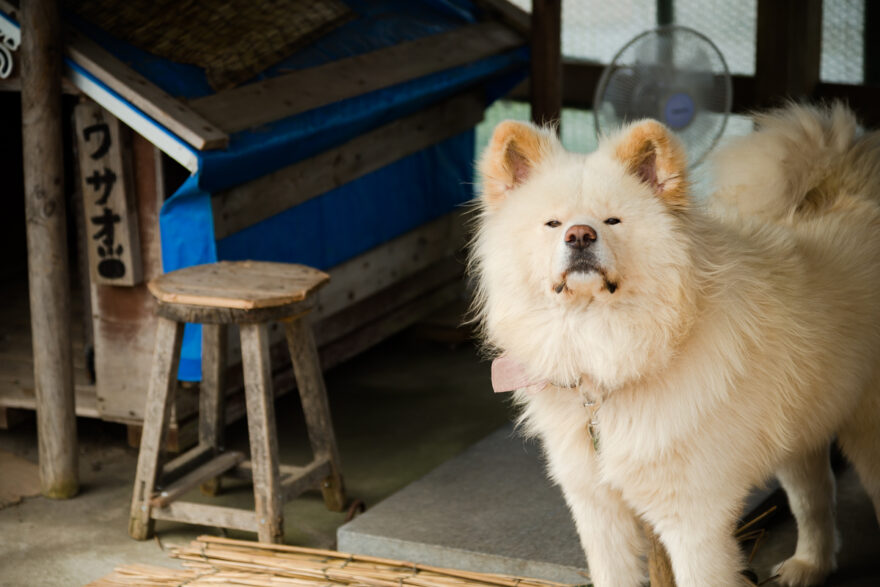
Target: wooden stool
249, 294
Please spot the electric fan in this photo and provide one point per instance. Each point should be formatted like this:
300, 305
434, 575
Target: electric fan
673, 74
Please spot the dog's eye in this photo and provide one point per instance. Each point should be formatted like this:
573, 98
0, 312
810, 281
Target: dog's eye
553, 224
612, 221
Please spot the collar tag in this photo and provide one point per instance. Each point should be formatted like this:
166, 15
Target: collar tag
510, 375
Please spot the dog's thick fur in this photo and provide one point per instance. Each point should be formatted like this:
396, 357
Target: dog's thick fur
726, 342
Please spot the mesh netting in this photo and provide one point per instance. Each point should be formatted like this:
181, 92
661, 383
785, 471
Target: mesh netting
231, 39
730, 25
843, 29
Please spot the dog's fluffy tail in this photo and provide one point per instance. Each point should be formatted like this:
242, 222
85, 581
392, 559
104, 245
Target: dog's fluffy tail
800, 160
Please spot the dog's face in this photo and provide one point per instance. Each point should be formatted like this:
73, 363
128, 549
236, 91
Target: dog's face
585, 234
578, 224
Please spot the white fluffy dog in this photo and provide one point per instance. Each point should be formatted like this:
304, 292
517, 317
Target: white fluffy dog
671, 354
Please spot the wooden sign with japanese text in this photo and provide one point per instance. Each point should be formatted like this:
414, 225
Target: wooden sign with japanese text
108, 197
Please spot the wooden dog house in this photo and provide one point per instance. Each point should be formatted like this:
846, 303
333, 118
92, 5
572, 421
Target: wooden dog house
351, 154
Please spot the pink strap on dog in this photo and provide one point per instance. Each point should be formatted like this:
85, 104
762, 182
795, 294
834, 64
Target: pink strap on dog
510, 375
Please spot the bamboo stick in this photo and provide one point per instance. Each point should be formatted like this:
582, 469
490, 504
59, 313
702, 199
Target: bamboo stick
211, 561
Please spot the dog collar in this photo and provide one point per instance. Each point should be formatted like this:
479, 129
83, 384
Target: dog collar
510, 375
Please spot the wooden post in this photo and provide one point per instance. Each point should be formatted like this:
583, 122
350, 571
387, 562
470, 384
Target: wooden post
871, 44
47, 246
788, 50
546, 66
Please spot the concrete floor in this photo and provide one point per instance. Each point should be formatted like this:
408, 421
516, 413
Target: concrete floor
400, 410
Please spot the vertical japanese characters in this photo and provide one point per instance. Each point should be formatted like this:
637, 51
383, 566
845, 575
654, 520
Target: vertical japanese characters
110, 212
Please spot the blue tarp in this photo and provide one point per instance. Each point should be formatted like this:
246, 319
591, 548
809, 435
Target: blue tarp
369, 211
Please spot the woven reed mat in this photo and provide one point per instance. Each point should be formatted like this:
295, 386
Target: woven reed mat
212, 561
232, 40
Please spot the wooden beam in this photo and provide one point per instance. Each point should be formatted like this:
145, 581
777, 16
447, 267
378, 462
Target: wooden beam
390, 323
546, 66
163, 108
168, 111
788, 50
48, 274
386, 265
207, 515
273, 99
183, 463
257, 200
374, 307
304, 478
213, 468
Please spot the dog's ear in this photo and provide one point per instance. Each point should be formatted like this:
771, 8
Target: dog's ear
649, 151
513, 153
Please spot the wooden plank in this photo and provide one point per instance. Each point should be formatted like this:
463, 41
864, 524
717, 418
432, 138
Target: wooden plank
273, 99
208, 515
213, 468
373, 271
294, 480
374, 307
173, 114
124, 318
185, 462
48, 275
250, 203
19, 393
259, 398
105, 174
316, 408
787, 50
395, 321
309, 477
175, 147
163, 381
546, 64
212, 394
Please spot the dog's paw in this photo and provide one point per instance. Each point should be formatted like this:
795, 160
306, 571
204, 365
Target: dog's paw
796, 572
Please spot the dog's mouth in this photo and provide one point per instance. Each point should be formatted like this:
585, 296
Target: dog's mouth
585, 266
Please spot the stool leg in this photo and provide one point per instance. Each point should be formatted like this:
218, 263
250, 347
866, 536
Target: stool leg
212, 395
268, 500
163, 380
313, 394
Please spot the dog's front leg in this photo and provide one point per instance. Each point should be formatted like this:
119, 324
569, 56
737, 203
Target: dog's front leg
611, 536
701, 546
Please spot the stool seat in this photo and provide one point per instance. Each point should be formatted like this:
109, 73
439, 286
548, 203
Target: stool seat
238, 285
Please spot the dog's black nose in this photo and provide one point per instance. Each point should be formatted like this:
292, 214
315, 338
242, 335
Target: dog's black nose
580, 236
